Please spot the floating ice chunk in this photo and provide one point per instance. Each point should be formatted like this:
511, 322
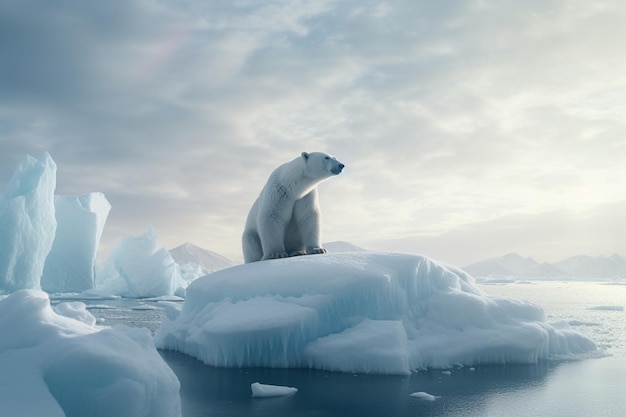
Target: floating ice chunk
424, 396
607, 308
144, 307
92, 294
138, 268
55, 365
359, 312
583, 323
165, 298
71, 264
263, 390
27, 223
100, 307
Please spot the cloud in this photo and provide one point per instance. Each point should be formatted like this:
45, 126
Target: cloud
449, 116
547, 237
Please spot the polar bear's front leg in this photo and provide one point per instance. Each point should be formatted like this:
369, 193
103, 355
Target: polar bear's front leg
309, 218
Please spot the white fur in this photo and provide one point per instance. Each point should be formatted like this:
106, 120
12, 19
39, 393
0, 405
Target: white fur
285, 220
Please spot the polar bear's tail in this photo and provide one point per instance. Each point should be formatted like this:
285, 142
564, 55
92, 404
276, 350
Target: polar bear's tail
251, 244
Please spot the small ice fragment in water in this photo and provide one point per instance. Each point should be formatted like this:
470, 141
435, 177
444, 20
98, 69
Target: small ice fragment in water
263, 390
424, 396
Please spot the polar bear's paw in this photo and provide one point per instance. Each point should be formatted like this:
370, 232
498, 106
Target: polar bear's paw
298, 253
275, 255
313, 251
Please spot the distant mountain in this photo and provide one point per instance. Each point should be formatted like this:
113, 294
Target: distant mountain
594, 267
341, 246
207, 260
514, 265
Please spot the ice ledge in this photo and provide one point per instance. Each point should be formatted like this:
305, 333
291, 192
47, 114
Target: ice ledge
367, 312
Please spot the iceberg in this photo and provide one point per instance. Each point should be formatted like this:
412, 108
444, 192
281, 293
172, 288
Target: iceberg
71, 263
364, 312
27, 223
137, 268
56, 362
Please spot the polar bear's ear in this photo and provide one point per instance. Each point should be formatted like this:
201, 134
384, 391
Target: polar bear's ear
305, 155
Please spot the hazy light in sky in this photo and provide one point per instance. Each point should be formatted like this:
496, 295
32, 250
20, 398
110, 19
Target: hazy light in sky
469, 128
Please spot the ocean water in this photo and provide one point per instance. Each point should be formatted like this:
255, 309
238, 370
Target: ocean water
589, 387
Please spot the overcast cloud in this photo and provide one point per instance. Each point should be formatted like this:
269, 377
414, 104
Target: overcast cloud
469, 128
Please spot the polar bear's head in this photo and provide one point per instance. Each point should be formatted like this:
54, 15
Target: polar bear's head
321, 165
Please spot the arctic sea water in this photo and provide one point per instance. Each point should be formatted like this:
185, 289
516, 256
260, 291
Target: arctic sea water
589, 387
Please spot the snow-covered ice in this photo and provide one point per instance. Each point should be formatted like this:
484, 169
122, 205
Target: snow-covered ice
27, 223
56, 362
71, 263
137, 267
358, 312
264, 390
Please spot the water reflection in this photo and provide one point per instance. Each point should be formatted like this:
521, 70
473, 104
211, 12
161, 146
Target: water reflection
208, 391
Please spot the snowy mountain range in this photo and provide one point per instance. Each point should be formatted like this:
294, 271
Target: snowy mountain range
514, 265
207, 260
342, 246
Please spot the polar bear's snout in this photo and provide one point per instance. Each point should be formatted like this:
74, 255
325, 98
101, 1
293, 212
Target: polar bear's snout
337, 170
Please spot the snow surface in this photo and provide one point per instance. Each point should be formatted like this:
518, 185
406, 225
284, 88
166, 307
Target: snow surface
56, 362
137, 268
71, 263
263, 390
358, 312
27, 223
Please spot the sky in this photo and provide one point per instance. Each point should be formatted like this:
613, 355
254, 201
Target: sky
469, 129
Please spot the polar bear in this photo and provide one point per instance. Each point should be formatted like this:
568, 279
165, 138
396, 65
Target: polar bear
285, 218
